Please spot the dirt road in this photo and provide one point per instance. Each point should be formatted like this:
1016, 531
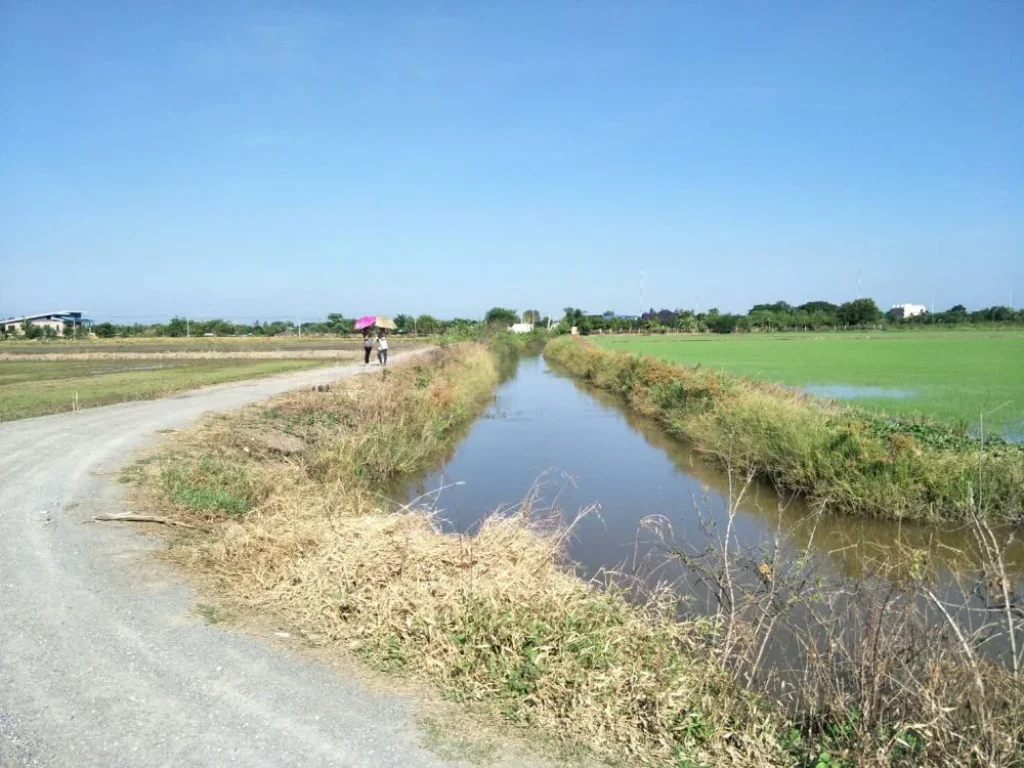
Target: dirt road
102, 660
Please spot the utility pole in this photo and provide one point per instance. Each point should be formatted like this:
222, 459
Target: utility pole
299, 319
640, 316
188, 333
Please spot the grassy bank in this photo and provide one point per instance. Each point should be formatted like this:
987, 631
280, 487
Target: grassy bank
34, 388
853, 461
291, 520
288, 496
953, 376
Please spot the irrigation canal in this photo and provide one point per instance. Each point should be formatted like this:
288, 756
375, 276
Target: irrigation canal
572, 447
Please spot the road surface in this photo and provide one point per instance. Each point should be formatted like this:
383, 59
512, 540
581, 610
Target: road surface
102, 659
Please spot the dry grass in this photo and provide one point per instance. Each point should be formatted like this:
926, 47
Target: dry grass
497, 617
905, 666
300, 529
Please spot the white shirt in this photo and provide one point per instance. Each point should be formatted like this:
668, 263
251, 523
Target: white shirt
382, 342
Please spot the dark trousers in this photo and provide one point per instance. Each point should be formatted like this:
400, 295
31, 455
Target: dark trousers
367, 350
382, 356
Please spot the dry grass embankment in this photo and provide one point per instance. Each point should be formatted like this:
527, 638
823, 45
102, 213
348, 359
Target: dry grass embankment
291, 523
288, 497
854, 462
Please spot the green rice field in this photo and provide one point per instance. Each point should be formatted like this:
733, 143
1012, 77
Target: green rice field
952, 377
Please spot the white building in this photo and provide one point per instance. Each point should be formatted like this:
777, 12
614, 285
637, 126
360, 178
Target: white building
521, 327
58, 321
910, 310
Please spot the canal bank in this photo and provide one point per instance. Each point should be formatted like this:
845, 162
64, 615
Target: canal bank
308, 532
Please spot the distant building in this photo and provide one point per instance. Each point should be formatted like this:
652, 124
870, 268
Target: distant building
521, 327
909, 310
58, 321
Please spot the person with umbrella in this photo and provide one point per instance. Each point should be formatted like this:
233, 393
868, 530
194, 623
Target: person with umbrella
366, 323
382, 347
367, 346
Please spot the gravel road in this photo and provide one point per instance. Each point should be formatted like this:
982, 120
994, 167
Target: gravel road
102, 659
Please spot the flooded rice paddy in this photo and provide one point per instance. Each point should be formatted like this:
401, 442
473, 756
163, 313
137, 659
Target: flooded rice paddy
853, 392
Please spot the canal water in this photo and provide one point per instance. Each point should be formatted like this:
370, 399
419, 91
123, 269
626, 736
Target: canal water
569, 447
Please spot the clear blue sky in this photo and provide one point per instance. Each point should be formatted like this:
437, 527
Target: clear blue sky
256, 159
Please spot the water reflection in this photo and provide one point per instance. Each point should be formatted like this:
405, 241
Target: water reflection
854, 391
577, 446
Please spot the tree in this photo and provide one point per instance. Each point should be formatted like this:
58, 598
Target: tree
403, 322
178, 326
427, 324
104, 330
819, 306
723, 323
336, 323
531, 316
30, 330
778, 306
859, 312
501, 316
995, 314
574, 316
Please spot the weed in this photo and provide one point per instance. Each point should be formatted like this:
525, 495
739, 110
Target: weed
209, 485
212, 614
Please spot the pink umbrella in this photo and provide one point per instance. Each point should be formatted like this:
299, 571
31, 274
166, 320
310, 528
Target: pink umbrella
366, 321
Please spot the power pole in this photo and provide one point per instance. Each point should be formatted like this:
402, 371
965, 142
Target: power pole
299, 319
188, 333
640, 316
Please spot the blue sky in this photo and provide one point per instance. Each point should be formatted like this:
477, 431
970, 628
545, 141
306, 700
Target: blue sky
255, 159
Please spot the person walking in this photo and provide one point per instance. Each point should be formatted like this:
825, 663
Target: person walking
367, 346
382, 347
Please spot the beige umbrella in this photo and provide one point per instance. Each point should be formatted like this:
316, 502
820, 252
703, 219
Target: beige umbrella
385, 322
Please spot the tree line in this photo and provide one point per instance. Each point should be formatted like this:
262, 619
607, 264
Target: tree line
777, 316
782, 316
335, 324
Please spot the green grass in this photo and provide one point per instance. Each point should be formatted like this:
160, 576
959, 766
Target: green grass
33, 388
953, 377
